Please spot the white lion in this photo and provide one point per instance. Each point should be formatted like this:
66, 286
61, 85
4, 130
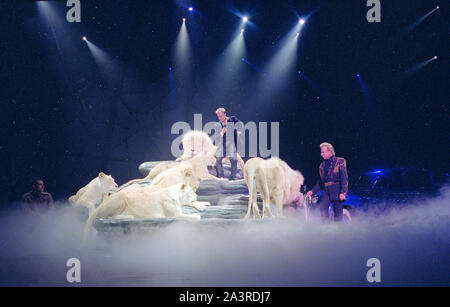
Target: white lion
163, 203
182, 174
198, 150
93, 193
196, 142
197, 165
275, 181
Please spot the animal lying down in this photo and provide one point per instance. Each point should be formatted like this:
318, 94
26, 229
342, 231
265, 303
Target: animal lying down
92, 194
181, 173
142, 204
196, 164
198, 150
275, 181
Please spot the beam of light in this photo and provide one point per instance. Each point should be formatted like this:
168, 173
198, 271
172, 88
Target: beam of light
311, 82
228, 70
366, 94
182, 55
319, 89
419, 21
108, 66
55, 19
398, 78
256, 68
379, 54
412, 70
282, 64
245, 19
172, 90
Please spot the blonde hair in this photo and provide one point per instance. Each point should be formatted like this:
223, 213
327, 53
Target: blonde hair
221, 110
329, 146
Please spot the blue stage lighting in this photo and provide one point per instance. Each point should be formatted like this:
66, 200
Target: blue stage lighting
190, 8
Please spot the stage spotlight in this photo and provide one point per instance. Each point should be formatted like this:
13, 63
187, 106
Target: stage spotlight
184, 19
245, 19
242, 30
435, 57
84, 38
191, 9
437, 7
301, 21
298, 34
357, 75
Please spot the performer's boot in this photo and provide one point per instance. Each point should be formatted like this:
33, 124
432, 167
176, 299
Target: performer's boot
233, 162
219, 167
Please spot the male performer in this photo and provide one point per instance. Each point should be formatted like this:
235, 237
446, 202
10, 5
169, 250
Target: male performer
334, 182
229, 144
37, 199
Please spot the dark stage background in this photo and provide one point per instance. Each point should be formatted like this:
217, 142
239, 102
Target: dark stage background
64, 119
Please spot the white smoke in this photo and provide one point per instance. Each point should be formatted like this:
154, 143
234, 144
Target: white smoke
413, 245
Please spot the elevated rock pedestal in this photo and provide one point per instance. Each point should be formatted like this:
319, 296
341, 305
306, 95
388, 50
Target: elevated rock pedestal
229, 201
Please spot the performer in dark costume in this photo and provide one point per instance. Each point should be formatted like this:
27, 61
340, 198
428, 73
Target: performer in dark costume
333, 181
228, 148
37, 199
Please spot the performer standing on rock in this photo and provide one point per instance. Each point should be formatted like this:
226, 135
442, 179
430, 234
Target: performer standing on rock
334, 182
228, 148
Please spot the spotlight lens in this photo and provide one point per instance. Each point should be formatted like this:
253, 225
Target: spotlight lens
245, 19
191, 9
242, 30
437, 7
84, 38
298, 34
184, 19
302, 21
435, 57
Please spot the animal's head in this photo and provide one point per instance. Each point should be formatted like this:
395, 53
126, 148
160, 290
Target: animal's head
198, 143
107, 182
296, 183
190, 179
188, 196
299, 199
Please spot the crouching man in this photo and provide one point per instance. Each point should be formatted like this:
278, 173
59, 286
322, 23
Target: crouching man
333, 181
